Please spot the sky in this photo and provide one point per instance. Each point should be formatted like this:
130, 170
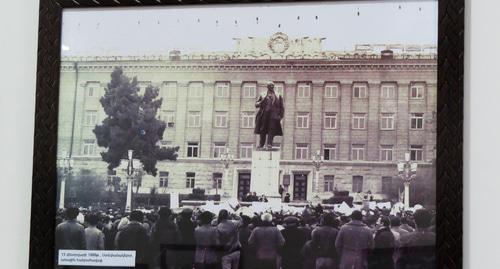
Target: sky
147, 30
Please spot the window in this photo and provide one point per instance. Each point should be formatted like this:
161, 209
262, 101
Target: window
169, 90
193, 149
386, 185
387, 121
219, 149
90, 117
328, 183
302, 120
112, 179
246, 150
329, 152
301, 151
330, 120
303, 90
190, 180
249, 90
357, 184
358, 152
359, 91
221, 119
217, 180
417, 92
388, 92
163, 179
417, 121
168, 117
91, 91
195, 89
89, 147
358, 121
279, 89
416, 153
331, 90
386, 152
194, 119
142, 85
222, 89
247, 120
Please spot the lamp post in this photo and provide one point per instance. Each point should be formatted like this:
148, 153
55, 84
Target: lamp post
226, 159
317, 161
66, 164
130, 173
407, 171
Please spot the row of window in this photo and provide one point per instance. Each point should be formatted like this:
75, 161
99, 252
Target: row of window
301, 151
302, 120
387, 120
328, 182
249, 90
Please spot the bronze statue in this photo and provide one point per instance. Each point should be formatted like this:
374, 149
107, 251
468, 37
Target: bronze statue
268, 119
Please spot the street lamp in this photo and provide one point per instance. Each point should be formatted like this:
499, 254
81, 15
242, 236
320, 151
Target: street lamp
130, 173
226, 159
317, 161
407, 171
66, 164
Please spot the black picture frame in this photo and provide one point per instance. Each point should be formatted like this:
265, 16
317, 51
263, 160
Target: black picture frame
449, 124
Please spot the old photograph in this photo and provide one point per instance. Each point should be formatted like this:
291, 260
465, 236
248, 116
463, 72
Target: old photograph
285, 136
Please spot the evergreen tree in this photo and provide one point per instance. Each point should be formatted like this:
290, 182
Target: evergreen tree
131, 123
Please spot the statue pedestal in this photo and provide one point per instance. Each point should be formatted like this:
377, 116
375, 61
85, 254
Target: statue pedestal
265, 173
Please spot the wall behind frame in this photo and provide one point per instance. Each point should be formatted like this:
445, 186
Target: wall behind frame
18, 28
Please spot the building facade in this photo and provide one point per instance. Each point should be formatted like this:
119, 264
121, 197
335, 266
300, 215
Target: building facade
361, 110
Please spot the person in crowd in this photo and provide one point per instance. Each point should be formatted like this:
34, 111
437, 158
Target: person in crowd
401, 233
323, 242
310, 252
207, 240
94, 237
266, 239
109, 233
164, 239
187, 245
228, 239
295, 239
70, 234
133, 236
353, 242
405, 224
418, 248
247, 254
263, 198
287, 198
381, 257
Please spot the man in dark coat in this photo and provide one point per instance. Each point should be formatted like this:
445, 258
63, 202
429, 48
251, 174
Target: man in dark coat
187, 246
353, 242
418, 249
70, 234
295, 239
135, 237
267, 121
164, 239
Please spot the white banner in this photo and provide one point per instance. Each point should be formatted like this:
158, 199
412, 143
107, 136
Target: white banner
111, 258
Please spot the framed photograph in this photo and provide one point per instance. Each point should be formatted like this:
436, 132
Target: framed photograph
248, 134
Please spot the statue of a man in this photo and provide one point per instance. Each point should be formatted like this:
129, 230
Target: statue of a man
268, 119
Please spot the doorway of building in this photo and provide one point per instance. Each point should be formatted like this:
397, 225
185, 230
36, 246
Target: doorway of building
300, 187
243, 184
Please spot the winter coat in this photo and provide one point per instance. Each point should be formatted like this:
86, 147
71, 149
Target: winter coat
164, 239
353, 242
134, 236
207, 242
94, 238
294, 241
381, 256
326, 241
266, 240
70, 235
418, 250
267, 120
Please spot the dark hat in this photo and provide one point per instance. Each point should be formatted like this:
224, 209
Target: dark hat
291, 221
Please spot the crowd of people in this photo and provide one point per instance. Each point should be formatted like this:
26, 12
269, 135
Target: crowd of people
315, 239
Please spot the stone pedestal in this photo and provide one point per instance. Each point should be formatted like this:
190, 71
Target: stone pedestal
265, 173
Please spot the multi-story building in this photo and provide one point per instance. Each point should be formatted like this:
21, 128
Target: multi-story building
361, 110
